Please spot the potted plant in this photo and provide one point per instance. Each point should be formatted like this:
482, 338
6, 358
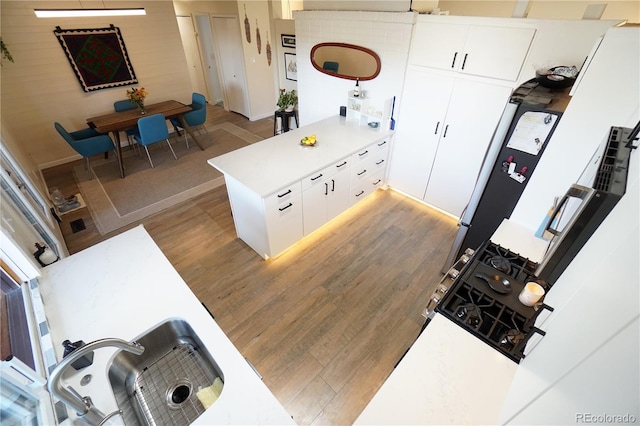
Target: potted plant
287, 100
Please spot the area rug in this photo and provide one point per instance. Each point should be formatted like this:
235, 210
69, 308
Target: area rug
114, 202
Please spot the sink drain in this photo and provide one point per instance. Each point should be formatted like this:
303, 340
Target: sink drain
178, 393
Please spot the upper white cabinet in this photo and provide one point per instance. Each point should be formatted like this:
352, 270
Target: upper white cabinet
486, 51
443, 130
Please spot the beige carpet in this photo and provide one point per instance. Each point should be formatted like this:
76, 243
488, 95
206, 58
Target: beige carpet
115, 202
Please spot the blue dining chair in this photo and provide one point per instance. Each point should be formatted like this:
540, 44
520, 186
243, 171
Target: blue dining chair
125, 105
87, 142
331, 66
152, 129
195, 118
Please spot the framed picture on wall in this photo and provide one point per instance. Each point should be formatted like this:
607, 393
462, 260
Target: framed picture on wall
291, 66
288, 40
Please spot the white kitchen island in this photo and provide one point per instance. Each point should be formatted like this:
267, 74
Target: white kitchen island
124, 287
281, 191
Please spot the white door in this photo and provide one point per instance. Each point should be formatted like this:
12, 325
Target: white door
338, 186
473, 114
419, 126
190, 45
227, 38
208, 58
314, 200
438, 45
496, 52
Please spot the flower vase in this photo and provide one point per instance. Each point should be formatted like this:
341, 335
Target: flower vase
141, 107
289, 108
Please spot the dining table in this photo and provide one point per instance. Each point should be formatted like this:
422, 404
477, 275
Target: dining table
116, 122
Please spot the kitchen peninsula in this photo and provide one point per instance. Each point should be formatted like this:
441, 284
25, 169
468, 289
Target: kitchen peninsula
108, 291
280, 190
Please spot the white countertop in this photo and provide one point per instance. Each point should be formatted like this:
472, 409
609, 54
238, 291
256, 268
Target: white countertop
521, 240
273, 163
124, 287
448, 377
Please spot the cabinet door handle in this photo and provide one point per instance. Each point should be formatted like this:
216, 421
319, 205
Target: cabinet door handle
377, 182
531, 342
363, 153
344, 163
285, 207
464, 61
382, 143
362, 172
359, 193
445, 131
326, 188
333, 185
317, 177
284, 193
380, 162
437, 125
453, 63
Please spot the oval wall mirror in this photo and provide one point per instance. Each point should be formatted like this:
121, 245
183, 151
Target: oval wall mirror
347, 61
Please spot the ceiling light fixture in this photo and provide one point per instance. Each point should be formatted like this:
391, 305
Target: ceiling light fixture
80, 13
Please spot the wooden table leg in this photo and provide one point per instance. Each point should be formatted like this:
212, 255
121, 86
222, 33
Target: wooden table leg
188, 129
116, 136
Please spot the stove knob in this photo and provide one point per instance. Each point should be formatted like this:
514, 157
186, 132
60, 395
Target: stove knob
464, 258
453, 273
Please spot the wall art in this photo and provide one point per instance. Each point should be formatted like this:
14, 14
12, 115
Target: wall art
288, 40
258, 39
268, 50
98, 57
247, 25
291, 66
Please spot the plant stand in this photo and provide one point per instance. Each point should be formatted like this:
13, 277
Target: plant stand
285, 119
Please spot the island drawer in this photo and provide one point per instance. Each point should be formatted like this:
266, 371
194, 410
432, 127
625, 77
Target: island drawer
321, 175
284, 195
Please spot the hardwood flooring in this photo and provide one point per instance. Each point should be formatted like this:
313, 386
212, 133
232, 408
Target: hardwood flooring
325, 322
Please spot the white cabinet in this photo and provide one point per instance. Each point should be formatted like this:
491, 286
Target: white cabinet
325, 195
368, 169
267, 224
443, 130
283, 213
487, 51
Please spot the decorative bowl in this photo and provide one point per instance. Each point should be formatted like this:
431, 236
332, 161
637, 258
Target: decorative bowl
556, 77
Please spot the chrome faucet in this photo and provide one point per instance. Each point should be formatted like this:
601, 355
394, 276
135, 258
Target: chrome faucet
83, 405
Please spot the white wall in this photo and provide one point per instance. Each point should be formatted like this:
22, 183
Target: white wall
386, 33
260, 81
283, 26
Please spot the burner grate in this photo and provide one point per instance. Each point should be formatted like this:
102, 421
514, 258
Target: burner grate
498, 319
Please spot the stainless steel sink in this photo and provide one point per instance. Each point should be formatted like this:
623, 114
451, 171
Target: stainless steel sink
160, 386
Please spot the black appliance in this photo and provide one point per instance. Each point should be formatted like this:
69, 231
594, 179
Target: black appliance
587, 203
529, 120
489, 308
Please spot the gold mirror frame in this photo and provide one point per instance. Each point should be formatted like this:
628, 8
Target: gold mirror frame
363, 64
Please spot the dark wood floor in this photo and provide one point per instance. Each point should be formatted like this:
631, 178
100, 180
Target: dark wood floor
325, 322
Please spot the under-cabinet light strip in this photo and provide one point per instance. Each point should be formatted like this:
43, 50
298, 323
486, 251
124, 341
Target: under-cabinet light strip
80, 13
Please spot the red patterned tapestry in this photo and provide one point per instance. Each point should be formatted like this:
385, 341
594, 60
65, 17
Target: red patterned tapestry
98, 57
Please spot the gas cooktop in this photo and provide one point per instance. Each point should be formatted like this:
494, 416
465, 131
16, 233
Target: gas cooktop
484, 299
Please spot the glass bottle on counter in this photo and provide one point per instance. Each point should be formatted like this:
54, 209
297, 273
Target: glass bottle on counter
356, 90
